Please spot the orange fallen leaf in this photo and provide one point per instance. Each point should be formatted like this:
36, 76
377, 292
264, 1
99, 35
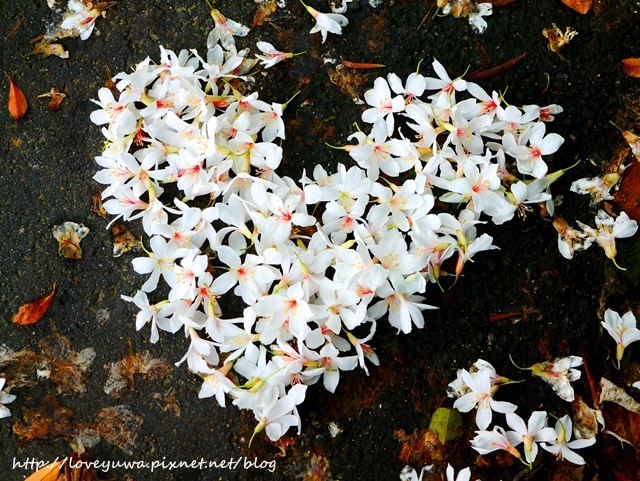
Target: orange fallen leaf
580, 6
631, 67
346, 63
48, 473
33, 312
17, 101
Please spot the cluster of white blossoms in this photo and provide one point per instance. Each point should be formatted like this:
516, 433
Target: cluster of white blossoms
475, 390
314, 286
607, 230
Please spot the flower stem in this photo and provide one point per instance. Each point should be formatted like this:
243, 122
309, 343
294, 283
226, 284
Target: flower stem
611, 122
621, 268
521, 368
286, 104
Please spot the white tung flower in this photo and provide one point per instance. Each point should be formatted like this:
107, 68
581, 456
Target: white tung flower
463, 474
497, 439
410, 474
535, 431
327, 22
599, 188
5, 399
476, 21
622, 329
559, 374
481, 396
271, 55
563, 447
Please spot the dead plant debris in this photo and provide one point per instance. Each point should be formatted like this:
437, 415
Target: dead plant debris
122, 373
118, 425
69, 236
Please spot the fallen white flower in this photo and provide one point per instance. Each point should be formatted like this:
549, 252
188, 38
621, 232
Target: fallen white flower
327, 22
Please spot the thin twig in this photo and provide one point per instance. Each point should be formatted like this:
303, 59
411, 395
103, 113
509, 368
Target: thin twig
493, 71
424, 19
15, 29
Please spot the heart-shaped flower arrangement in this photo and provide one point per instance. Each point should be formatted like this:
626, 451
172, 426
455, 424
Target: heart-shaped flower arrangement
314, 285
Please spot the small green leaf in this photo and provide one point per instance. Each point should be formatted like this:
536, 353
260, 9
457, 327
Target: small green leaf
447, 423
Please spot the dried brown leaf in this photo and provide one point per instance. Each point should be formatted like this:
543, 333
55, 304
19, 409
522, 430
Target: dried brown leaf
580, 6
623, 458
622, 423
499, 459
611, 392
585, 419
631, 67
634, 143
98, 208
33, 312
565, 472
17, 101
